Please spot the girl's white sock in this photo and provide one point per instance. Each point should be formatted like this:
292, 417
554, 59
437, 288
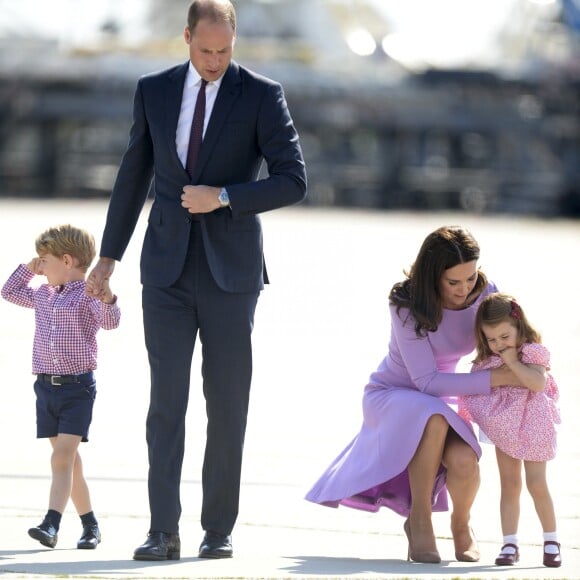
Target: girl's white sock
551, 537
510, 539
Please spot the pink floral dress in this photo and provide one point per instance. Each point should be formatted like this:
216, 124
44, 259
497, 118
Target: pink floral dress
520, 422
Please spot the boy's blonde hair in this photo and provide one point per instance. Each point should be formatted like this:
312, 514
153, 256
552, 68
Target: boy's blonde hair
67, 239
494, 309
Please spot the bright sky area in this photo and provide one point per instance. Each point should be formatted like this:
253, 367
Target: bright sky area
451, 31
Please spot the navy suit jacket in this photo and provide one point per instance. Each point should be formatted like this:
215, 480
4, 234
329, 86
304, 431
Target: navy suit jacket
250, 123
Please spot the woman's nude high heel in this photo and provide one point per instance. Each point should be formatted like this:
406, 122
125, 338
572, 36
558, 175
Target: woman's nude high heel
427, 557
469, 552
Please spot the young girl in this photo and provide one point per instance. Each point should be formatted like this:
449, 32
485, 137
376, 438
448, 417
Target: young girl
519, 420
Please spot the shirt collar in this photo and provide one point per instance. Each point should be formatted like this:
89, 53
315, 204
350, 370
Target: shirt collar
69, 286
194, 78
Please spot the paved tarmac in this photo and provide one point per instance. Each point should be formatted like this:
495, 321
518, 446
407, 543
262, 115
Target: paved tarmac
321, 329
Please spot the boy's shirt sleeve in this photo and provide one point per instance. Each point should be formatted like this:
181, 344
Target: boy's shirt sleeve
107, 316
17, 289
110, 315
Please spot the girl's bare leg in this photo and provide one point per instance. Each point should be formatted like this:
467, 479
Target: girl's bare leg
538, 487
510, 475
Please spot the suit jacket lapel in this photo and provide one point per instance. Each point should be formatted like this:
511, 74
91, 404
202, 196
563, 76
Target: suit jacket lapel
173, 96
230, 88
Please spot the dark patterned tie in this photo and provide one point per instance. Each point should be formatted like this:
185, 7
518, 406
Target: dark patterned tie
196, 134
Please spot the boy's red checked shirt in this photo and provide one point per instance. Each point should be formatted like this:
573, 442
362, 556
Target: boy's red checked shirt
67, 321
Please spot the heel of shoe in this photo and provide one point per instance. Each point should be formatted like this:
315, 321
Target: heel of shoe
419, 557
469, 554
408, 534
426, 558
173, 555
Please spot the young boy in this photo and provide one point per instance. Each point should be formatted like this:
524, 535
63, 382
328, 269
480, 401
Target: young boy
64, 357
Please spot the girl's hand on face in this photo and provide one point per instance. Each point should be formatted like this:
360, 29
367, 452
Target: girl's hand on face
509, 355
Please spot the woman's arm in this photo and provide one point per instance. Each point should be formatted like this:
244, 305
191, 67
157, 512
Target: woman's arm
503, 376
419, 360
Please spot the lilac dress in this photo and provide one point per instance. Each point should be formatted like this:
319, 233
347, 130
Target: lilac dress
415, 380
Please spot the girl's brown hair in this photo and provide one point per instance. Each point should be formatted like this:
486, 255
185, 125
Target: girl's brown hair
495, 309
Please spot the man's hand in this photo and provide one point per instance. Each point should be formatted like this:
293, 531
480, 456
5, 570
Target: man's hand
200, 198
97, 285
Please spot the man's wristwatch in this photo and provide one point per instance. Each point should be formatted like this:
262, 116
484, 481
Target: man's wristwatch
224, 198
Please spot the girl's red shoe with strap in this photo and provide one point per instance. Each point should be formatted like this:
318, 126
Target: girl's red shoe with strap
552, 559
508, 556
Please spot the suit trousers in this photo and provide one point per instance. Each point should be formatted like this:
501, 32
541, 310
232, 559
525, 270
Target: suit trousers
172, 318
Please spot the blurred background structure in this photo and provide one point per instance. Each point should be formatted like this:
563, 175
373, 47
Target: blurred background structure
423, 104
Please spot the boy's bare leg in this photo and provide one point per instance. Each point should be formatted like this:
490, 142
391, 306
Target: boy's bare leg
64, 453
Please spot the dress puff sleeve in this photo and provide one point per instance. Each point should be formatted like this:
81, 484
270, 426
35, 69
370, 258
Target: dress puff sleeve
535, 354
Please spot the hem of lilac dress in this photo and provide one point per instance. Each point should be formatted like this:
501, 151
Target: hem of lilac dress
388, 495
393, 493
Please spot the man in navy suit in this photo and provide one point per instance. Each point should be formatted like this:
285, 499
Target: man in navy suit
202, 265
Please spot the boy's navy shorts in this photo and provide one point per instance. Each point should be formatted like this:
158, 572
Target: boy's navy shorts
63, 406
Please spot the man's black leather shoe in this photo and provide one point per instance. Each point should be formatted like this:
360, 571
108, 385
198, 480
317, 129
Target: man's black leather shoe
45, 533
159, 546
216, 546
90, 539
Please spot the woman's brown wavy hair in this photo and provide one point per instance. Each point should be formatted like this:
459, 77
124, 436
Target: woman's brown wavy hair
444, 248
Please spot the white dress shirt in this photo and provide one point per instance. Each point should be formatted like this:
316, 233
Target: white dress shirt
190, 91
